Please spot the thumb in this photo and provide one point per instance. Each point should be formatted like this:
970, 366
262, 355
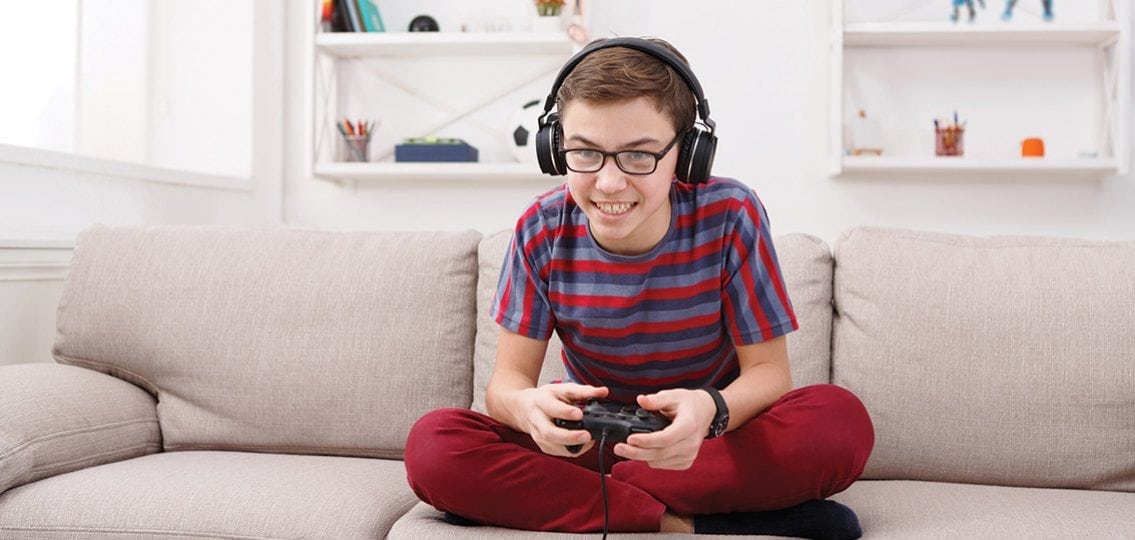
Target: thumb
657, 402
581, 392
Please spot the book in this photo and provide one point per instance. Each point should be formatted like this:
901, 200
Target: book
354, 22
372, 19
325, 16
433, 149
340, 17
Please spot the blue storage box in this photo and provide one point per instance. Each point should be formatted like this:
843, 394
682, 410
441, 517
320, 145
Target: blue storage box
435, 150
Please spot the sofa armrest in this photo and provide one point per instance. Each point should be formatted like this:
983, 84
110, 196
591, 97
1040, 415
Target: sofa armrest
56, 419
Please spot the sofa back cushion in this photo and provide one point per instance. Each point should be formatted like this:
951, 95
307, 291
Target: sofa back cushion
277, 340
805, 262
490, 258
1007, 360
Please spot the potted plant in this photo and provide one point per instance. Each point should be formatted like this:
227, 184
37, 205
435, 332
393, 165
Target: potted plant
548, 15
549, 8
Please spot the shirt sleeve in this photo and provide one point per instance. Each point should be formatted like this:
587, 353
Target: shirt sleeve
755, 303
521, 300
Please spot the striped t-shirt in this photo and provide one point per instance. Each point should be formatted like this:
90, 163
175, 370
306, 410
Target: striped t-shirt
666, 319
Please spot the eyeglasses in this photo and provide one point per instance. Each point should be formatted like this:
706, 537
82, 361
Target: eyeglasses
589, 160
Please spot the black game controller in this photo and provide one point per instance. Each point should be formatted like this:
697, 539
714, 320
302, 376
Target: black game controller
618, 420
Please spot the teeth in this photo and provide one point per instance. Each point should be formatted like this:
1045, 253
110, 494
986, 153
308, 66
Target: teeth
616, 209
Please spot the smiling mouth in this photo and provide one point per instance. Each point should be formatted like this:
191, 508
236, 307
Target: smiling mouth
614, 209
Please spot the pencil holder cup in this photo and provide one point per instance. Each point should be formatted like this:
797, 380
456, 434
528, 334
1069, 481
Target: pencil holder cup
354, 148
949, 141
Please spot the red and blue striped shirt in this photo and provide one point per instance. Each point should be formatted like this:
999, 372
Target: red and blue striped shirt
668, 318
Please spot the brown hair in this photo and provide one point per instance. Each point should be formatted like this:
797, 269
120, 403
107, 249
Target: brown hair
620, 73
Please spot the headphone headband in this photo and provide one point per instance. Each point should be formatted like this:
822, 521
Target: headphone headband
638, 44
699, 144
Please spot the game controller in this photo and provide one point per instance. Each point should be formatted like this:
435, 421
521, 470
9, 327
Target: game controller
618, 420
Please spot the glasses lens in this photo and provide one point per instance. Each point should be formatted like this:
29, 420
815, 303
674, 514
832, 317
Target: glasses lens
636, 162
584, 160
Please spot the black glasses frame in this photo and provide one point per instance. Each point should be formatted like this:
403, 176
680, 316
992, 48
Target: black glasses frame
657, 157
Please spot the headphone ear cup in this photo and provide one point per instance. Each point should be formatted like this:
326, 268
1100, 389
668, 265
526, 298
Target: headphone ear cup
701, 160
695, 159
682, 169
548, 147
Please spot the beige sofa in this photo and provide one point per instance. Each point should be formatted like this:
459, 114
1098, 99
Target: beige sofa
227, 383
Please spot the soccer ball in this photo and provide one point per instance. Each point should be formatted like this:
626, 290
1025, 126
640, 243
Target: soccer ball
522, 127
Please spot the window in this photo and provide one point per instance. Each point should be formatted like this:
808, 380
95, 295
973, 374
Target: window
165, 84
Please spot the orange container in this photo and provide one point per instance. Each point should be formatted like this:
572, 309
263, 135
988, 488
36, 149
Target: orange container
1032, 147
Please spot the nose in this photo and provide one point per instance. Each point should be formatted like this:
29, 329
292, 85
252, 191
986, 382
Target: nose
610, 179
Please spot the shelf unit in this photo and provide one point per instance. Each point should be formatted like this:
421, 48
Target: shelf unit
394, 172
1110, 37
325, 50
885, 164
944, 34
359, 44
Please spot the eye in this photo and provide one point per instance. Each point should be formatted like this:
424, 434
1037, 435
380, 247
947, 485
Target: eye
637, 156
586, 154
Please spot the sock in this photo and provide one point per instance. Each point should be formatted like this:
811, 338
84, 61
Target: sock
454, 519
821, 520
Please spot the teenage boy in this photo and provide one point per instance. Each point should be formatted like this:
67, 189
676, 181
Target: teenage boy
665, 290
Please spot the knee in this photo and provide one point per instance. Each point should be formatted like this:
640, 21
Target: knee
433, 440
847, 424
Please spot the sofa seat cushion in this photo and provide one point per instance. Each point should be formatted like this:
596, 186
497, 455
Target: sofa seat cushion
211, 495
900, 509
423, 522
910, 509
897, 509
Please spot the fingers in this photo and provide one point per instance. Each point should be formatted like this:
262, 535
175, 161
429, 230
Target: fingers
674, 447
557, 401
666, 401
580, 392
583, 450
556, 441
547, 432
676, 458
659, 439
564, 396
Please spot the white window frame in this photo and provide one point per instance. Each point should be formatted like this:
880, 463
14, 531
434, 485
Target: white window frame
267, 126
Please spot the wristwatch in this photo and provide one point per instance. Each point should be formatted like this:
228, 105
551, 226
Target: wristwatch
721, 417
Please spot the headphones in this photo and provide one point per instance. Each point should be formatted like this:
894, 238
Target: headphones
695, 154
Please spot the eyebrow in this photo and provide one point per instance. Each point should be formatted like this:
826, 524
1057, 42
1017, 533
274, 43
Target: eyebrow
632, 144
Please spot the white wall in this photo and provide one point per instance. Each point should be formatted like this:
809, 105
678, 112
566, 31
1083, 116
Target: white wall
31, 283
764, 67
47, 197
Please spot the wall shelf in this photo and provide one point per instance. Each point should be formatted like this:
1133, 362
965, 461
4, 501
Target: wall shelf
361, 44
417, 172
860, 73
340, 66
885, 164
935, 34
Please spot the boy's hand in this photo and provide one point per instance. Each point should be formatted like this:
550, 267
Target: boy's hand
543, 404
690, 412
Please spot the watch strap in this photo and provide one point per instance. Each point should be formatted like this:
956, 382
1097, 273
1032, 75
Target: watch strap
721, 416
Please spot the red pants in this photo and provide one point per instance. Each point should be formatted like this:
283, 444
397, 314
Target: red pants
810, 444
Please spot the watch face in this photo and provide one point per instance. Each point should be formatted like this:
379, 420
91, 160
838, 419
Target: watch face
721, 417
720, 425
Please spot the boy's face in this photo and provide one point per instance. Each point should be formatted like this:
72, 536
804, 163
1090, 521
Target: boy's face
628, 214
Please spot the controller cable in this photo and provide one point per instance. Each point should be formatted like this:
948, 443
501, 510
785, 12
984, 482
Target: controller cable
603, 482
